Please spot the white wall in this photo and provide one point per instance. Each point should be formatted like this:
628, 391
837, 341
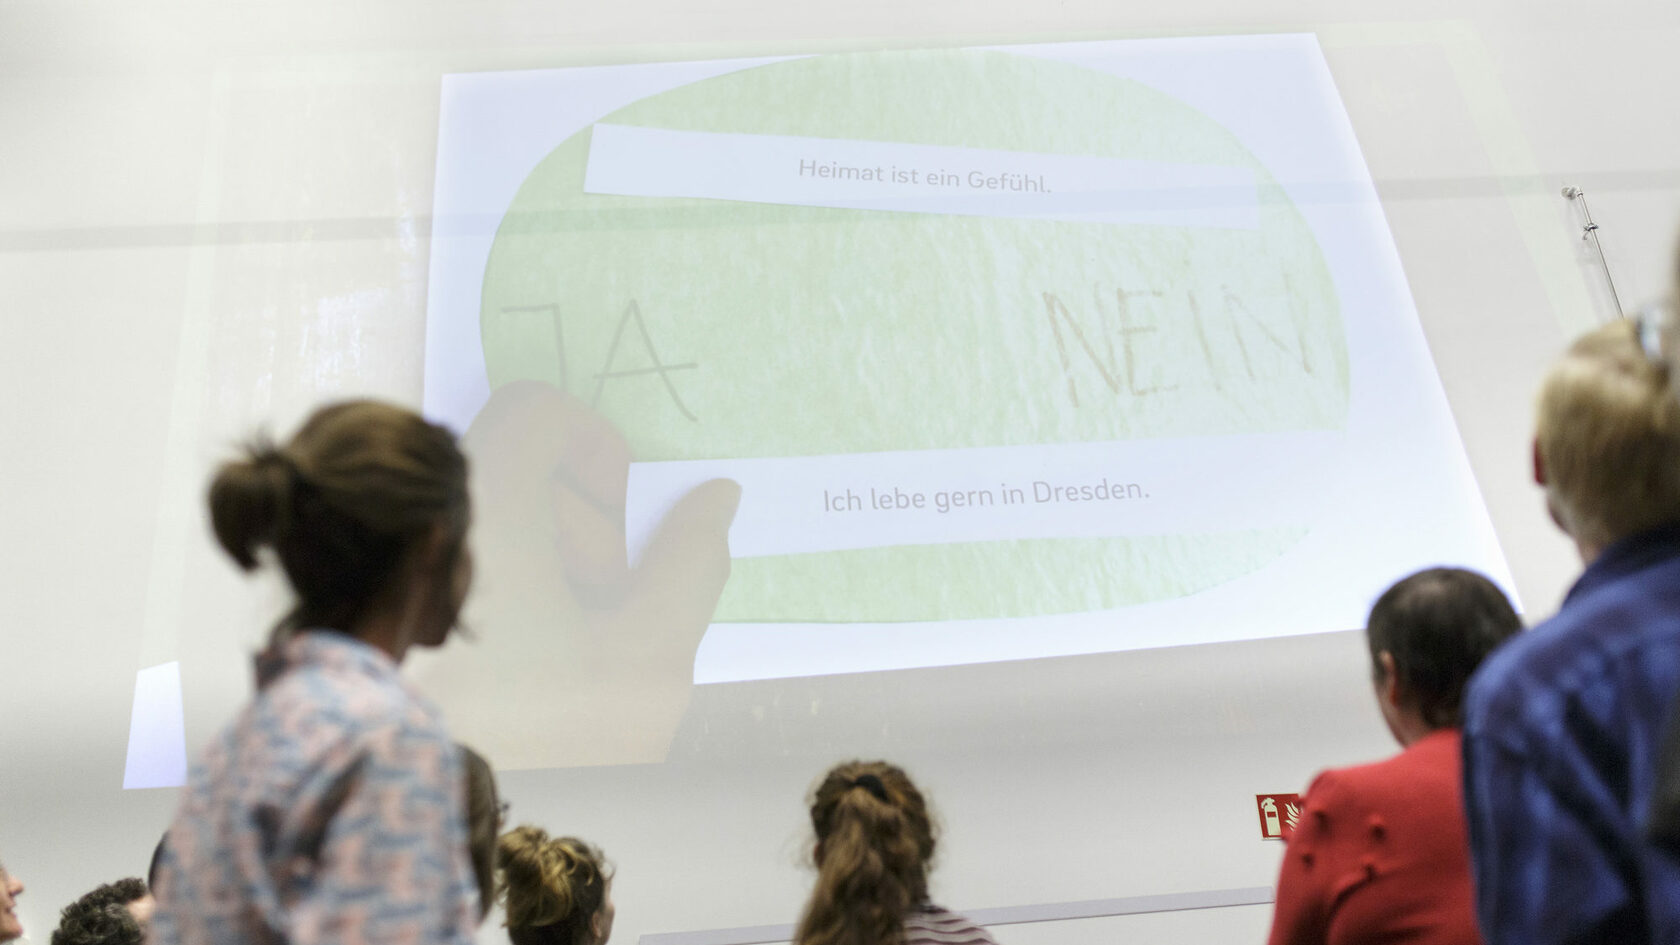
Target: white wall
213, 215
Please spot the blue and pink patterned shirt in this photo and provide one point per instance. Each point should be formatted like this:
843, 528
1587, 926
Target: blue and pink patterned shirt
328, 813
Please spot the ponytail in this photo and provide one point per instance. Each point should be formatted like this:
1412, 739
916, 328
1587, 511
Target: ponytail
248, 500
874, 841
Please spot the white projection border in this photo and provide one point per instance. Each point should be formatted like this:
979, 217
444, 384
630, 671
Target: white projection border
1397, 496
157, 734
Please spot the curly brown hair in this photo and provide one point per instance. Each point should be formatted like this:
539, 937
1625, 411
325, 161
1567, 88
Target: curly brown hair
102, 918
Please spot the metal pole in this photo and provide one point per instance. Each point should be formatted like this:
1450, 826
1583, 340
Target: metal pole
1589, 231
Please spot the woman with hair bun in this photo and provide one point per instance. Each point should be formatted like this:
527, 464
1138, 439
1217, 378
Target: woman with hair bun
558, 891
875, 840
331, 810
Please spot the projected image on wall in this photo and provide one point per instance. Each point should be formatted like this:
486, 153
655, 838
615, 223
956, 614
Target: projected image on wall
964, 355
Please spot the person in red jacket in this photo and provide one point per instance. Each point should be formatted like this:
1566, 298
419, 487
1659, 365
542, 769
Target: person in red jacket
1380, 852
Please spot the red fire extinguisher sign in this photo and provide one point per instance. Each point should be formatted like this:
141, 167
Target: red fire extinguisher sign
1278, 814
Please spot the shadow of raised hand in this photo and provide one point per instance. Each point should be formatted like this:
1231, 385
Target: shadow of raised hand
575, 657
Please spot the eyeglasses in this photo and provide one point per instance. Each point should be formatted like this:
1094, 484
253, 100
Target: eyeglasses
1655, 323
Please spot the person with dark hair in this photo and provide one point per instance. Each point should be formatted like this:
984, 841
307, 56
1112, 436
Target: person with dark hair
874, 843
559, 891
10, 888
331, 810
484, 822
114, 914
1378, 853
106, 924
1562, 729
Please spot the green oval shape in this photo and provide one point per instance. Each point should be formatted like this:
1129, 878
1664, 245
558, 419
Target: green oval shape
798, 331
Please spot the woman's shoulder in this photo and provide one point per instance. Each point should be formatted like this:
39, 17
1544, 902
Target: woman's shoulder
1428, 769
1436, 754
937, 925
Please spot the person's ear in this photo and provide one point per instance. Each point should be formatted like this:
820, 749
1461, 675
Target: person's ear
438, 548
1388, 685
595, 926
1539, 465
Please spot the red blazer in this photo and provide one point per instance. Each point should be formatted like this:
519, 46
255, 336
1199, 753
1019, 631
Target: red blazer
1381, 855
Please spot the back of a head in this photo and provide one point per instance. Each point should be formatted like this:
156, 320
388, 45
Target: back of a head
345, 503
554, 887
1439, 625
102, 917
483, 821
875, 840
1608, 433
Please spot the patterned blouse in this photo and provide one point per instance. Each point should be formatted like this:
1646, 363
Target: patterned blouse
328, 813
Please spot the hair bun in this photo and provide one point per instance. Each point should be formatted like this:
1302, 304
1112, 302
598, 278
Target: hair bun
550, 882
521, 848
537, 892
248, 500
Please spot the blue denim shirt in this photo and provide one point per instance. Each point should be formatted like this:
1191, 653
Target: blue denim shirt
1563, 727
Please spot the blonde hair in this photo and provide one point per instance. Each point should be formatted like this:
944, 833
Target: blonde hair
1608, 433
553, 887
874, 841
